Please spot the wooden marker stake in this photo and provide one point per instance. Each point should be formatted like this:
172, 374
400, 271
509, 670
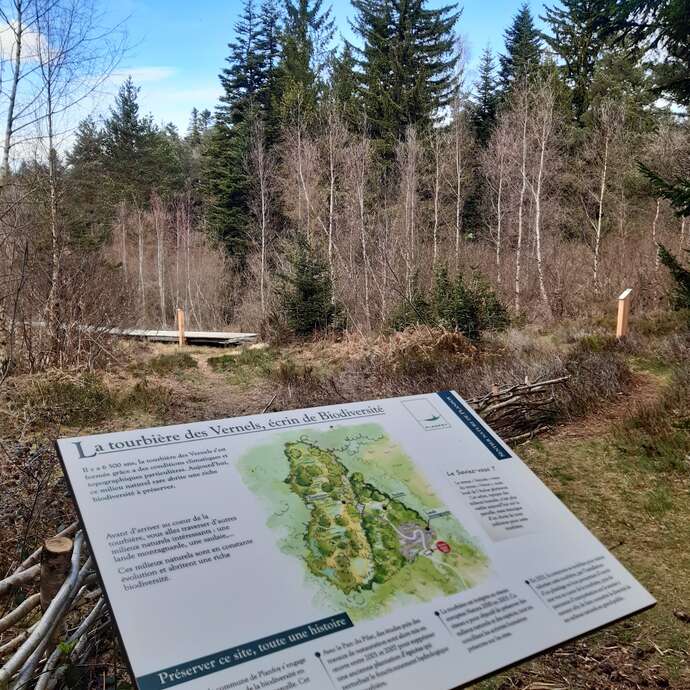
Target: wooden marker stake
181, 340
55, 563
623, 313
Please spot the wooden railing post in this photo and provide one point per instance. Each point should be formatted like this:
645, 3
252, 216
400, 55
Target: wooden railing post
56, 556
55, 563
624, 300
181, 339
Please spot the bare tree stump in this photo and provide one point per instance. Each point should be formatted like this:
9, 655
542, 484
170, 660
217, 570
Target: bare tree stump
55, 564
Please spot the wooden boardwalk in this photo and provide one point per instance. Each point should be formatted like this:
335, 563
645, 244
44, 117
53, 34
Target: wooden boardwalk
218, 338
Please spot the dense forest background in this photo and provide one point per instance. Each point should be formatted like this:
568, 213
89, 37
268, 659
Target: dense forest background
357, 186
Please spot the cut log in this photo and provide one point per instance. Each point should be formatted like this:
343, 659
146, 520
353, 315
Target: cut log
55, 565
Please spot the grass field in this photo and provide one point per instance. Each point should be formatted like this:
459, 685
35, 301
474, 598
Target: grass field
617, 452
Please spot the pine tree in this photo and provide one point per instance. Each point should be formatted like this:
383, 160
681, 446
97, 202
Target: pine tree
268, 45
305, 294
194, 131
128, 148
344, 83
89, 206
486, 100
205, 120
523, 49
306, 37
680, 298
575, 38
374, 24
406, 64
248, 81
655, 24
242, 79
226, 186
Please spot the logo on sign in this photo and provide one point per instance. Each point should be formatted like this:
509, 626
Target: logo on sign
443, 546
426, 414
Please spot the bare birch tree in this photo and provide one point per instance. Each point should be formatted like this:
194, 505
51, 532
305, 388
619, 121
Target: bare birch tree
262, 166
601, 160
543, 126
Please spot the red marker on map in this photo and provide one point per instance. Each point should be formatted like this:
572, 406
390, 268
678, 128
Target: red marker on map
443, 546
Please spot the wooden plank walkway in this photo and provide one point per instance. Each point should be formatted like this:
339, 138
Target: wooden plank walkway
193, 337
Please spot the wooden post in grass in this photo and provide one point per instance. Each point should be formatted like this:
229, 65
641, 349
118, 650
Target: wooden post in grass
56, 555
623, 313
181, 340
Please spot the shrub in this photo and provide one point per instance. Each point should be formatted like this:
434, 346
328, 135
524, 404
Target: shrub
171, 363
305, 294
411, 312
62, 398
681, 278
84, 400
467, 307
245, 364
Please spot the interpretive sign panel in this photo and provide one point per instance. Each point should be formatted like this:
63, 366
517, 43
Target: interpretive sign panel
388, 544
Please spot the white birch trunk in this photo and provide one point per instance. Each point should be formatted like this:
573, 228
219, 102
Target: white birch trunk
160, 267
654, 233
142, 287
437, 185
600, 214
11, 102
523, 188
499, 217
545, 132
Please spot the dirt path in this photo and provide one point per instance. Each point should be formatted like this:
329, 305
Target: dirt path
646, 388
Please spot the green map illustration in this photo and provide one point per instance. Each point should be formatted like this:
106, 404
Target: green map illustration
371, 533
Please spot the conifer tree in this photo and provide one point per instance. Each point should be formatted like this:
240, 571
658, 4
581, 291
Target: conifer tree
128, 148
247, 82
226, 186
268, 45
344, 83
406, 65
242, 79
89, 207
576, 40
523, 49
306, 38
305, 293
486, 99
205, 119
194, 131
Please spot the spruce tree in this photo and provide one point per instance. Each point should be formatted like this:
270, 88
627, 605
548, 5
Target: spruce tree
486, 99
194, 131
226, 186
575, 39
205, 120
242, 79
247, 81
656, 24
306, 37
344, 83
89, 207
680, 297
268, 45
305, 294
128, 145
523, 49
406, 64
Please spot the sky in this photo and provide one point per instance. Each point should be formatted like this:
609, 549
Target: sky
178, 47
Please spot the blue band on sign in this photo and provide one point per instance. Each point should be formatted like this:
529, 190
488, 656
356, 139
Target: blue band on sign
475, 426
190, 670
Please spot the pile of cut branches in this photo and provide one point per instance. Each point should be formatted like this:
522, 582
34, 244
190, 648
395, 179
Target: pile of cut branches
52, 620
522, 411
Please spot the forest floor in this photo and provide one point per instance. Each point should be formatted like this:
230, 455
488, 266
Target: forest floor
621, 464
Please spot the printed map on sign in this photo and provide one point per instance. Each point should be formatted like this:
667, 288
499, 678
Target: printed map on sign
369, 530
